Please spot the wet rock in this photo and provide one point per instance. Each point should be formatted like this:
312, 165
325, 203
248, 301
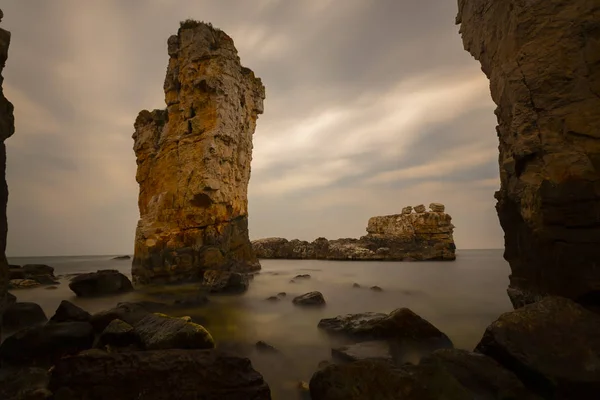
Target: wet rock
369, 350
23, 384
122, 258
45, 279
118, 334
281, 294
401, 323
16, 273
273, 298
303, 276
158, 375
355, 285
68, 311
552, 345
225, 282
22, 283
131, 313
310, 299
157, 332
264, 347
23, 315
38, 269
192, 300
376, 289
43, 345
103, 282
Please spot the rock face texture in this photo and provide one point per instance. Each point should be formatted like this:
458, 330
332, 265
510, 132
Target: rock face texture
410, 236
7, 128
194, 162
543, 61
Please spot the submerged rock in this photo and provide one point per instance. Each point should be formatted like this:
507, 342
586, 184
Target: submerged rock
103, 282
225, 281
552, 345
376, 289
264, 347
68, 311
193, 162
23, 315
309, 299
122, 258
43, 345
158, 375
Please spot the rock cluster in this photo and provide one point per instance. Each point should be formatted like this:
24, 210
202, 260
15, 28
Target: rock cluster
30, 275
412, 236
194, 162
545, 80
7, 128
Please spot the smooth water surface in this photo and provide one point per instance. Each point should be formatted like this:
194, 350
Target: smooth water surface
461, 298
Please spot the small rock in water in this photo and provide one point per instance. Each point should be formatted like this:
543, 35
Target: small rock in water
303, 276
310, 299
264, 347
103, 282
22, 283
292, 281
273, 298
122, 258
281, 294
376, 289
355, 285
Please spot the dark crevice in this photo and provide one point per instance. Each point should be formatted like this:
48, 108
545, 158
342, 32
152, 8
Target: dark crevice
521, 163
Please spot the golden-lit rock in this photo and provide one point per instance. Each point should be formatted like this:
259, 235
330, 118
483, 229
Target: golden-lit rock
543, 61
194, 162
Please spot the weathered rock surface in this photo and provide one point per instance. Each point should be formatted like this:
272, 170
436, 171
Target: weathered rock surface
194, 162
543, 61
552, 345
43, 345
7, 128
100, 283
163, 332
119, 334
25, 276
22, 283
225, 281
68, 311
159, 374
131, 313
406, 236
23, 315
23, 384
309, 299
369, 350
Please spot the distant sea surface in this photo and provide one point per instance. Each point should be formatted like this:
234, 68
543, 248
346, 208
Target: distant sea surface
461, 298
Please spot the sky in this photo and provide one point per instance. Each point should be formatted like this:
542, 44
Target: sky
371, 106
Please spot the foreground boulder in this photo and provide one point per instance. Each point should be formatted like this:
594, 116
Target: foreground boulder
163, 332
43, 345
24, 384
130, 313
225, 281
446, 374
68, 311
103, 282
118, 334
193, 162
23, 315
552, 345
401, 323
157, 375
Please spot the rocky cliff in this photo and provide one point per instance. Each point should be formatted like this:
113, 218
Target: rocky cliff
542, 58
410, 236
7, 128
194, 162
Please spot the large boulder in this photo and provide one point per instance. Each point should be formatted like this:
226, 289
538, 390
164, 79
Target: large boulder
216, 281
157, 331
157, 375
68, 311
43, 345
552, 345
103, 282
23, 315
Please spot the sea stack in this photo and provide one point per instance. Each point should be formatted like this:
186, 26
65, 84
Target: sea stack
193, 162
7, 128
543, 61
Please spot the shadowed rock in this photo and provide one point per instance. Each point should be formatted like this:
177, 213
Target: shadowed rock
68, 311
310, 299
23, 315
103, 282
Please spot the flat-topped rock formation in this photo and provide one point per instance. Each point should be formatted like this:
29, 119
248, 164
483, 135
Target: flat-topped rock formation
7, 128
410, 236
194, 162
543, 61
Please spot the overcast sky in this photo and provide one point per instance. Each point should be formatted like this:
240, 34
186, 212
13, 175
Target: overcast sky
371, 106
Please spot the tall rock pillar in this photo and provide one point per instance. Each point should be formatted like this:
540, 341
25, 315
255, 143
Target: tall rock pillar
194, 162
7, 128
542, 58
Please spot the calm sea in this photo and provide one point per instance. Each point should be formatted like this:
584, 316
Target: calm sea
461, 298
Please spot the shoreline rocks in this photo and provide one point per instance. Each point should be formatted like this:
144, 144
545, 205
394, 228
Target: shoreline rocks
418, 236
102, 282
193, 162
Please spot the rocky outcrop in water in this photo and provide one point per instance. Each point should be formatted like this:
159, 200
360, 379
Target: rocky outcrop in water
411, 236
194, 162
7, 128
543, 61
